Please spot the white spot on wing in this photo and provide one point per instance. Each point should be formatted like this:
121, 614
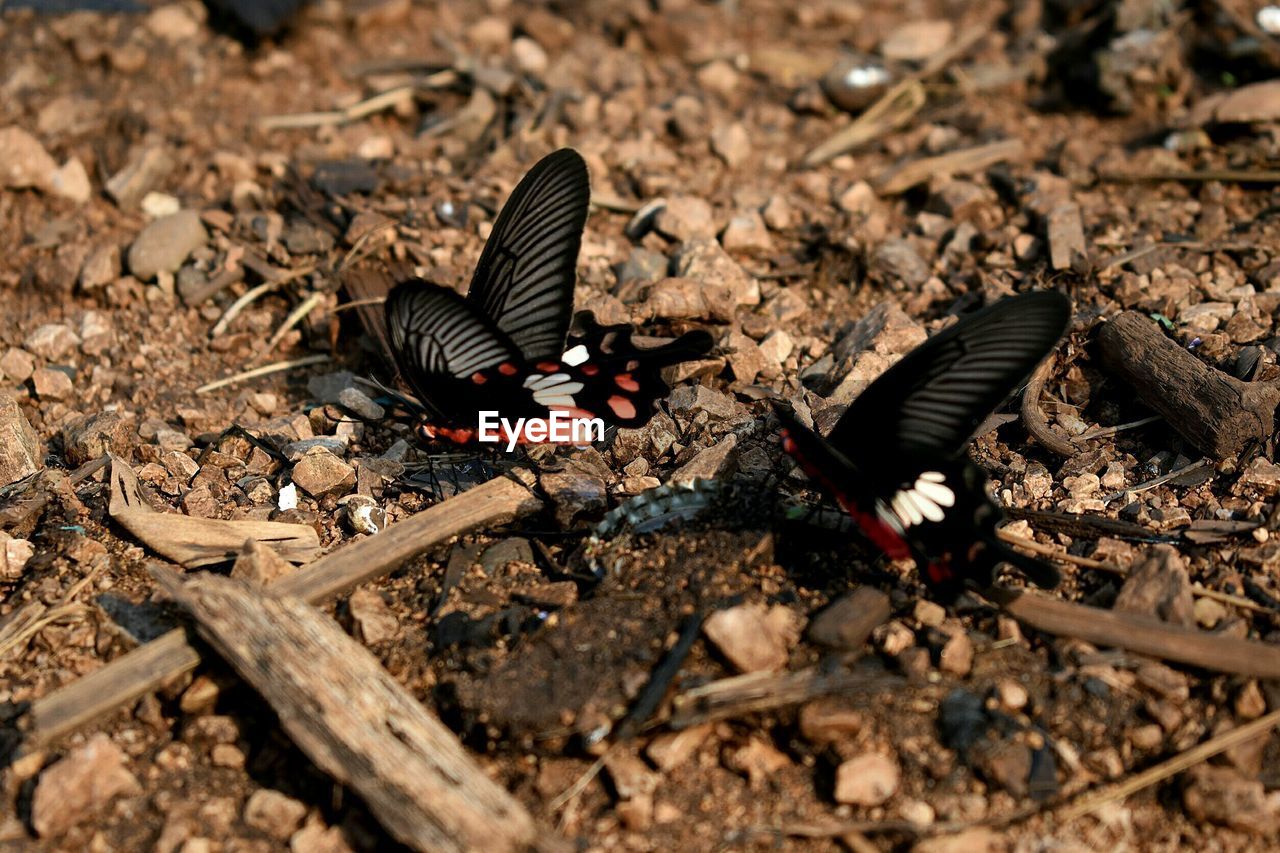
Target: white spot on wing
575, 355
924, 500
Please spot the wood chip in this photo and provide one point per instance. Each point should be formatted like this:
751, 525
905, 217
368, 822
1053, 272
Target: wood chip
194, 542
353, 719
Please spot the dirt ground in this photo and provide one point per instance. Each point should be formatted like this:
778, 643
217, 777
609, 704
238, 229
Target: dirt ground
157, 167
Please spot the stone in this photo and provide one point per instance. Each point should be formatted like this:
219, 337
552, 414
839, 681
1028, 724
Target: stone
374, 621
319, 473
705, 261
144, 171
1004, 763
1159, 586
745, 358
778, 213
14, 554
752, 637
828, 721
259, 564
688, 401
746, 232
274, 814
97, 333
580, 486
71, 181
173, 23
670, 750
1222, 796
917, 41
629, 775
929, 614
1262, 474
78, 786
732, 144
358, 403
513, 549
712, 462
52, 384
979, 839
777, 346
52, 341
20, 450
17, 364
163, 245
643, 265
315, 837
302, 238
685, 218
91, 436
957, 655
896, 260
23, 161
868, 780
528, 56
758, 761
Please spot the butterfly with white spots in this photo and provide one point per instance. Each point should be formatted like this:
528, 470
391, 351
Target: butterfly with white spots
896, 459
502, 347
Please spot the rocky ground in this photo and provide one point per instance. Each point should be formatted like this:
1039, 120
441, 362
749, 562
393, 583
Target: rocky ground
155, 169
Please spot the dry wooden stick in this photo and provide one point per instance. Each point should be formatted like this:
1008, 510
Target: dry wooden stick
274, 367
1033, 417
1144, 634
899, 179
766, 691
146, 668
1216, 413
353, 719
1189, 758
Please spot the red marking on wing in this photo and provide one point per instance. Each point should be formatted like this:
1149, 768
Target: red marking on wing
589, 369
881, 535
463, 435
626, 383
622, 407
479, 378
507, 369
547, 366
940, 571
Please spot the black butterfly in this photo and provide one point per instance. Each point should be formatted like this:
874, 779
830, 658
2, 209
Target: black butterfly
895, 460
502, 346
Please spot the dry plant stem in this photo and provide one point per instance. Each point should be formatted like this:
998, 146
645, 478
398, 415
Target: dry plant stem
353, 719
1033, 416
145, 668
764, 691
295, 317
265, 370
1087, 803
1216, 413
899, 179
1104, 432
355, 112
1143, 634
1242, 176
1085, 562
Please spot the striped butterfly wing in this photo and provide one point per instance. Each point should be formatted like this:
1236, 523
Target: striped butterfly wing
440, 343
933, 399
526, 273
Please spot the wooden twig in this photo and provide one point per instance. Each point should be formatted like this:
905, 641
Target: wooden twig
355, 721
1138, 633
1106, 431
766, 691
1091, 801
1033, 417
1240, 176
265, 370
355, 112
899, 179
1189, 468
145, 668
1215, 412
194, 542
295, 317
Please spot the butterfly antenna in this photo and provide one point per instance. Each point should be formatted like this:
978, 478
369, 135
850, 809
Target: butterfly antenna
1038, 572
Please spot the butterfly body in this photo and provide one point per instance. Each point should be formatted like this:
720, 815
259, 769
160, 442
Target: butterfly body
895, 461
502, 347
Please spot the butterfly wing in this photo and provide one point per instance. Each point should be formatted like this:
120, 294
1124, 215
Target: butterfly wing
617, 380
440, 343
524, 279
933, 399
